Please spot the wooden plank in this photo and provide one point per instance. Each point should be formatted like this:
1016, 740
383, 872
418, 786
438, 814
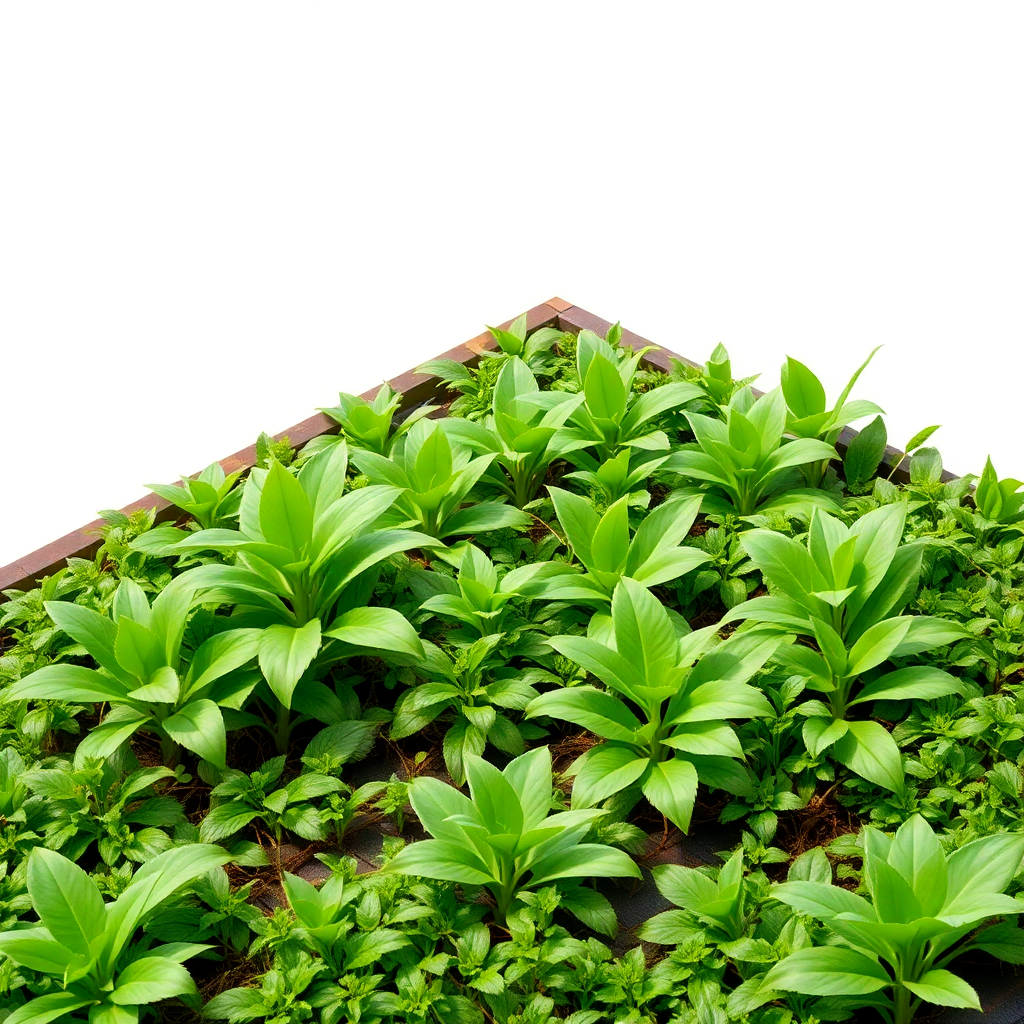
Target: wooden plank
416, 389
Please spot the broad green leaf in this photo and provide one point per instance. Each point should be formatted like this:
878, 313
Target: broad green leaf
919, 681
95, 632
382, 629
50, 1007
66, 682
151, 885
944, 989
823, 901
592, 709
199, 726
150, 979
66, 899
530, 775
447, 861
286, 517
671, 787
871, 752
803, 391
828, 971
285, 653
604, 770
38, 950
587, 860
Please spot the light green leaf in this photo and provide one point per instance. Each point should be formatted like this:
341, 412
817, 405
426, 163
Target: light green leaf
944, 989
285, 652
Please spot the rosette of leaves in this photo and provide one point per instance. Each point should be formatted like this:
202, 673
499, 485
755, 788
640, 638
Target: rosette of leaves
712, 900
502, 836
999, 502
611, 416
519, 436
895, 948
808, 415
625, 475
239, 798
602, 543
476, 384
84, 945
210, 497
477, 689
144, 676
332, 922
845, 590
743, 464
714, 377
305, 561
663, 719
481, 600
370, 425
103, 801
434, 482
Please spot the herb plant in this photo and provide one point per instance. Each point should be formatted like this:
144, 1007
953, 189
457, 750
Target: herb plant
845, 590
369, 425
83, 943
502, 836
305, 554
603, 544
894, 950
144, 676
210, 498
744, 465
680, 735
434, 482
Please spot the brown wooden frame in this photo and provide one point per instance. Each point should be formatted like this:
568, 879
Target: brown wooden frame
23, 573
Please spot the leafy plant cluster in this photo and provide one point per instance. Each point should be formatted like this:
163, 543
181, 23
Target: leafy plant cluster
588, 610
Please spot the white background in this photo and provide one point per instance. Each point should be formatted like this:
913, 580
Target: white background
215, 216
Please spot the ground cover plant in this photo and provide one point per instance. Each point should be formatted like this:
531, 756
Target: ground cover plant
426, 720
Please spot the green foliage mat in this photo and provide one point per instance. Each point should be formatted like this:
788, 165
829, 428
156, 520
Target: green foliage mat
612, 695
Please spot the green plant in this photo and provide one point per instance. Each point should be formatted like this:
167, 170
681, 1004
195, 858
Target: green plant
210, 498
808, 415
682, 735
278, 1000
625, 475
602, 543
305, 559
472, 685
845, 590
713, 902
144, 676
434, 483
611, 416
211, 911
1001, 502
520, 438
242, 798
327, 921
502, 836
894, 950
714, 377
84, 945
480, 600
743, 463
477, 384
369, 425
103, 801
